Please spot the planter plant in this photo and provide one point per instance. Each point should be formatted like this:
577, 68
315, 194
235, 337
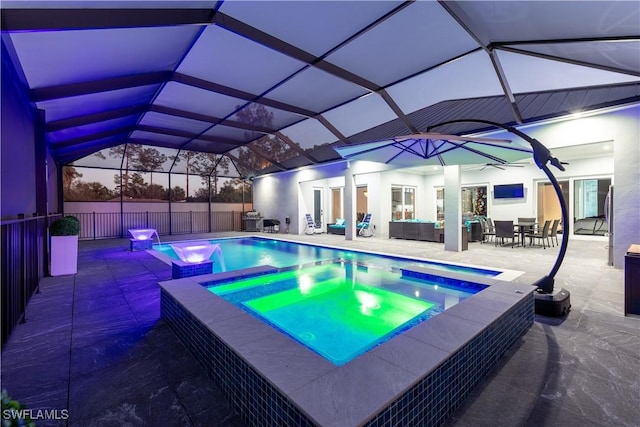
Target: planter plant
64, 246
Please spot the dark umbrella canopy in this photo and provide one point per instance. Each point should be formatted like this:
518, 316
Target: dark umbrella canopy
437, 149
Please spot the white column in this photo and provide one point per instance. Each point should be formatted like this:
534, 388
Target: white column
452, 209
626, 195
349, 202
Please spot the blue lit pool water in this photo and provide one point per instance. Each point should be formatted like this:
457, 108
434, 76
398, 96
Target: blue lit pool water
240, 253
341, 309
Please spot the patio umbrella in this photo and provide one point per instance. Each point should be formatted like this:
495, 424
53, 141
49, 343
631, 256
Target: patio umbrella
437, 149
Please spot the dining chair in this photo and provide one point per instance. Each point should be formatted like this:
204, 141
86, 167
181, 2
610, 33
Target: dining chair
542, 236
505, 230
554, 231
487, 231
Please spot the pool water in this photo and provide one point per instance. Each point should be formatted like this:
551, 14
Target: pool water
240, 253
341, 309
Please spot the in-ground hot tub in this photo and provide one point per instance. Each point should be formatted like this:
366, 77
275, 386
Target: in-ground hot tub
420, 373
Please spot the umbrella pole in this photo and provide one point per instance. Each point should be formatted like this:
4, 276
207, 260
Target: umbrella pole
548, 302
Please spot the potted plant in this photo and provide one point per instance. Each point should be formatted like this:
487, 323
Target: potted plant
15, 414
64, 246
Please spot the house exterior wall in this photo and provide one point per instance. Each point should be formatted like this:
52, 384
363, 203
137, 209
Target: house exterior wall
18, 152
275, 193
622, 127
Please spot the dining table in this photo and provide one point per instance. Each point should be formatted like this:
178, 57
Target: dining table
523, 228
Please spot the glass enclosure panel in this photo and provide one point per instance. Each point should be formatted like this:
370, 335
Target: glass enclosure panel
178, 187
268, 117
124, 125
336, 204
316, 90
474, 201
112, 52
73, 106
197, 188
397, 54
194, 162
231, 190
589, 206
299, 23
249, 163
309, 134
361, 114
157, 138
88, 184
230, 59
553, 75
173, 122
189, 98
232, 133
433, 86
138, 185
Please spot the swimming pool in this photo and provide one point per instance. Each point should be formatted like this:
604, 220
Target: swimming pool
246, 252
341, 309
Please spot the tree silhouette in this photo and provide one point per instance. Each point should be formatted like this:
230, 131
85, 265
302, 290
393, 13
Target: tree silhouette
202, 164
268, 145
69, 174
88, 191
177, 194
149, 159
135, 157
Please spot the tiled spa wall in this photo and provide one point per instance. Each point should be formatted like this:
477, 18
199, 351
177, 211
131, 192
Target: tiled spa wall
434, 398
429, 402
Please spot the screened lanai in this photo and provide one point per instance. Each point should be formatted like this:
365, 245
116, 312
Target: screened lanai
272, 85
184, 104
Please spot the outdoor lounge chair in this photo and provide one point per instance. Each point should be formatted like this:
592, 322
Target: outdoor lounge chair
311, 226
364, 227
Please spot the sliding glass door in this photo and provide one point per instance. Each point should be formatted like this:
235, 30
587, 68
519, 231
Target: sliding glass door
589, 205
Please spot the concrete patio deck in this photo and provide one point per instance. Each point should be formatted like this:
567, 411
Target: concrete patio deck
94, 344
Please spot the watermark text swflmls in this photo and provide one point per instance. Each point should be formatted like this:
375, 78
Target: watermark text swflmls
35, 414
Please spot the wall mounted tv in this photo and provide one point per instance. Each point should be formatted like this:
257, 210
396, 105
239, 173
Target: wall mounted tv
508, 191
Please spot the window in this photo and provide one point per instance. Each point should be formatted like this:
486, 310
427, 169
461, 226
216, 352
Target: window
474, 200
403, 203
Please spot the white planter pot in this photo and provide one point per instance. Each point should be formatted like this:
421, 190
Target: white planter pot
64, 255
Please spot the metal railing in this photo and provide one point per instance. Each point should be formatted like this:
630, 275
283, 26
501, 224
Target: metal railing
24, 263
103, 225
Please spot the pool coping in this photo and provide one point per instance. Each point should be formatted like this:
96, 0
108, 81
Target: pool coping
331, 395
